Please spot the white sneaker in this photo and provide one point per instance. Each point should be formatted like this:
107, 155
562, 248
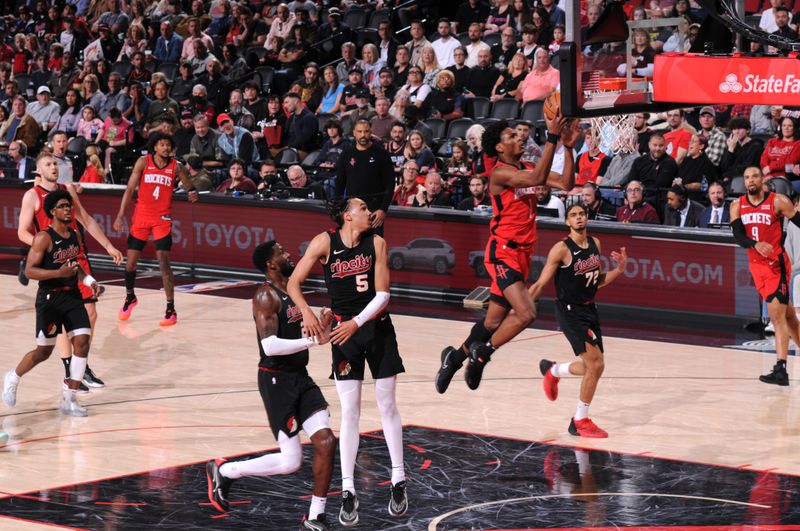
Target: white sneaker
770, 327
70, 406
9, 390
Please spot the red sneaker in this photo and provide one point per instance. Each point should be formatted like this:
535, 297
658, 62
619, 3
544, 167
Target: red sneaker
550, 382
586, 428
170, 318
126, 310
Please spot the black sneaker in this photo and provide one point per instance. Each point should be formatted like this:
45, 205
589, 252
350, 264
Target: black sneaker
479, 355
320, 523
90, 379
448, 369
398, 502
348, 514
218, 485
21, 275
778, 376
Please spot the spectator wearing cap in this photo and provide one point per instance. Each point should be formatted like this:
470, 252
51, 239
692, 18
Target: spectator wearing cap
715, 137
117, 135
742, 152
475, 44
106, 46
45, 111
204, 142
20, 125
196, 33
235, 142
354, 89
116, 19
680, 211
183, 136
334, 33
169, 45
200, 177
696, 166
237, 180
301, 125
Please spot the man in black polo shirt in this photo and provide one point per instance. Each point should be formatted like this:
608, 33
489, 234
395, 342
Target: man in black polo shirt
654, 170
481, 78
366, 171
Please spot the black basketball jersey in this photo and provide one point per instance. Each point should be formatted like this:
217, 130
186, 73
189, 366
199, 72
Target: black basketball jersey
350, 274
289, 320
576, 282
64, 250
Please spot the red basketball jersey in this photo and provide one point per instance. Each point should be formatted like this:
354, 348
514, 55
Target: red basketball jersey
515, 213
155, 189
762, 224
40, 220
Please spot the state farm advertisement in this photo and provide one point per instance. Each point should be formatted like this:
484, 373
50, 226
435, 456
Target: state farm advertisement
439, 254
692, 78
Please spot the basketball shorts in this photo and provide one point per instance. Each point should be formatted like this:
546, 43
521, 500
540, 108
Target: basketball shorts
143, 226
86, 291
57, 309
374, 344
772, 278
580, 324
506, 266
290, 398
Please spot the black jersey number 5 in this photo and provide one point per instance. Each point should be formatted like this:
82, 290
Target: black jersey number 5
362, 282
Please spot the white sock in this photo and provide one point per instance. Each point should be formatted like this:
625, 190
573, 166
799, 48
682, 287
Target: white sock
582, 412
77, 367
385, 389
317, 507
14, 377
582, 457
69, 394
350, 398
560, 370
287, 461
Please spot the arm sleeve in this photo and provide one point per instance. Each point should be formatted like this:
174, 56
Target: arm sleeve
375, 306
275, 346
739, 233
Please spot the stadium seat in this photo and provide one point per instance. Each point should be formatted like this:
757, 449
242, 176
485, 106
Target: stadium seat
287, 156
366, 35
77, 145
24, 84
463, 38
438, 126
458, 127
736, 186
266, 74
493, 39
311, 159
169, 70
532, 112
123, 68
377, 17
478, 108
505, 109
780, 185
356, 18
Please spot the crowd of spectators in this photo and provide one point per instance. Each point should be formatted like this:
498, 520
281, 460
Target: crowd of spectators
265, 97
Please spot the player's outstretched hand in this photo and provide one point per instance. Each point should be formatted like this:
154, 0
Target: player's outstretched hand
68, 269
311, 324
570, 134
119, 223
343, 332
556, 125
764, 249
620, 257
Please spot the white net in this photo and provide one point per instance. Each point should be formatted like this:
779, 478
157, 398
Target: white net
615, 133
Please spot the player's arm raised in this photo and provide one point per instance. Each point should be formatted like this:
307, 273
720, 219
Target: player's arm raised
26, 213
133, 182
346, 329
554, 260
317, 251
620, 257
740, 234
92, 227
566, 181
41, 244
186, 182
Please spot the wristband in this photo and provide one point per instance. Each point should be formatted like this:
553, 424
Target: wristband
553, 138
88, 280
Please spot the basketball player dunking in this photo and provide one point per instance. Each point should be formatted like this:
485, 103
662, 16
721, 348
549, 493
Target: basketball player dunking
54, 260
575, 263
290, 396
155, 176
756, 222
357, 276
33, 219
512, 235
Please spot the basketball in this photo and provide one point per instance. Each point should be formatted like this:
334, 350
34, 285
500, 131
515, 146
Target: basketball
552, 104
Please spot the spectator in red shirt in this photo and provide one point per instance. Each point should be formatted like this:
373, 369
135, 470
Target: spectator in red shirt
635, 210
237, 181
782, 152
677, 139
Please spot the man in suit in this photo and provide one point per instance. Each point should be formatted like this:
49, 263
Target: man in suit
717, 212
680, 211
19, 161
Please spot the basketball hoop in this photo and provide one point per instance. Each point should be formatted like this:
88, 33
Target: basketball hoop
615, 133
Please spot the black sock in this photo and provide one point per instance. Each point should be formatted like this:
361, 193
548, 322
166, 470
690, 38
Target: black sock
170, 306
478, 334
781, 364
65, 361
130, 283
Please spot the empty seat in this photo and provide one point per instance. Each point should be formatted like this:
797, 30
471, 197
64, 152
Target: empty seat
438, 127
458, 127
478, 107
506, 109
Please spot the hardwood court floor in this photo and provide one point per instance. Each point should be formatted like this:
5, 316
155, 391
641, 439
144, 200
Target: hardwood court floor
188, 393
